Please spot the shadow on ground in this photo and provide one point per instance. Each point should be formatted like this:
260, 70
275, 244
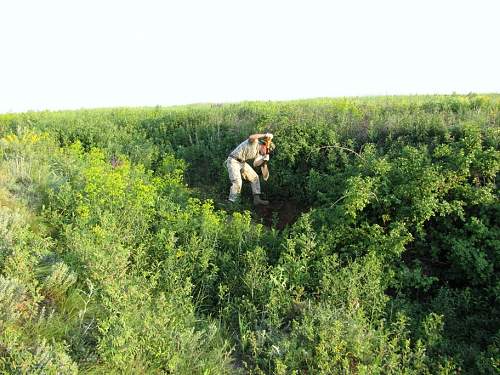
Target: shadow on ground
278, 214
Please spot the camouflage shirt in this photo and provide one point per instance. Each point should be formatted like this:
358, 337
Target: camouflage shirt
246, 150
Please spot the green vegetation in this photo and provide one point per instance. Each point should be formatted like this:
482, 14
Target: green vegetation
119, 255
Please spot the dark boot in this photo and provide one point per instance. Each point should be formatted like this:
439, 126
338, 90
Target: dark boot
259, 202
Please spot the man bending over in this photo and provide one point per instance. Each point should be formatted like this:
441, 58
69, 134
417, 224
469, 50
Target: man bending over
257, 147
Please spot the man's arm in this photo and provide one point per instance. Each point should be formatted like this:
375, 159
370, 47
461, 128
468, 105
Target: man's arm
255, 137
260, 159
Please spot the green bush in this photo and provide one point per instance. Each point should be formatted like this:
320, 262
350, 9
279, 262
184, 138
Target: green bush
115, 254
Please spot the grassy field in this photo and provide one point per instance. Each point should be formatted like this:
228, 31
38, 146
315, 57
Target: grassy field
379, 253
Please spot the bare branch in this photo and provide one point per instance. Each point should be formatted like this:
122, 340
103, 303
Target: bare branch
343, 148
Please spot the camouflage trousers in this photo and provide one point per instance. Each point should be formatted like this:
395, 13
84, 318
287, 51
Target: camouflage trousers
237, 172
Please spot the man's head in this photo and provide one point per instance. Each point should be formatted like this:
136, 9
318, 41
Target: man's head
266, 146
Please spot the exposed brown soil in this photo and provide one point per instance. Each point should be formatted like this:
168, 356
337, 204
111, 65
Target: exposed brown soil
279, 213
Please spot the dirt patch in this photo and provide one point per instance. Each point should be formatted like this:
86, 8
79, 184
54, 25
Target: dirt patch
279, 214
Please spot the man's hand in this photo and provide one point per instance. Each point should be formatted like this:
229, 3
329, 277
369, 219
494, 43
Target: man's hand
269, 135
260, 159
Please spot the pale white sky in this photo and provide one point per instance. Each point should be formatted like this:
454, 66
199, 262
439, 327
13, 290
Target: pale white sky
69, 54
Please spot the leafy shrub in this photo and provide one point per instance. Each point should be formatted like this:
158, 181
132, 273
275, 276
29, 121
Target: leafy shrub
113, 260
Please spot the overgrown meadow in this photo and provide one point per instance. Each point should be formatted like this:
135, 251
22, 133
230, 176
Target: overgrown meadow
119, 254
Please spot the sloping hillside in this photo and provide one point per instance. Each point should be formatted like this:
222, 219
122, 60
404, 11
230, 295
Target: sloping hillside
379, 253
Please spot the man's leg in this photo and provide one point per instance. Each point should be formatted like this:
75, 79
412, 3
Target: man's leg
249, 174
234, 167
